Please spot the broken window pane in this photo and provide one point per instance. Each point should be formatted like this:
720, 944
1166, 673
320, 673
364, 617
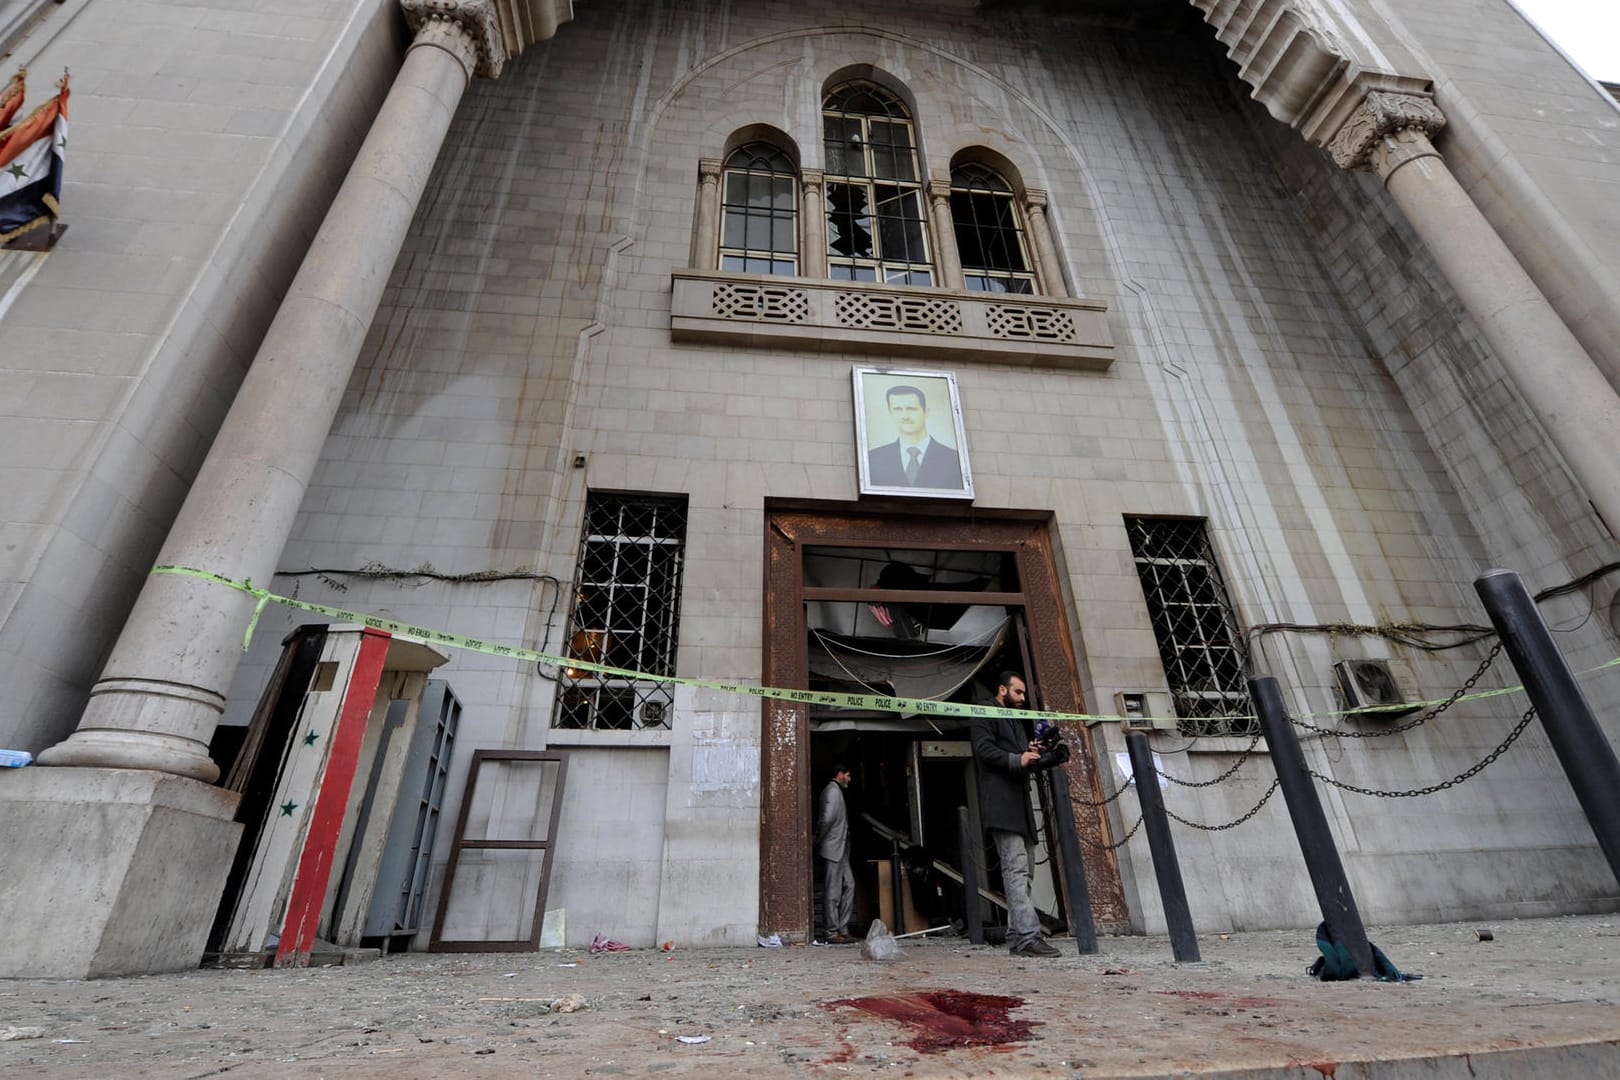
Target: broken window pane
869, 135
849, 222
989, 236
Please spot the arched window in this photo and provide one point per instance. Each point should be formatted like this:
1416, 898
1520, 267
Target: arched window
989, 236
759, 228
875, 221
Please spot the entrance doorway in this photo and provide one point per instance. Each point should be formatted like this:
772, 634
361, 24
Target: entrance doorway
921, 608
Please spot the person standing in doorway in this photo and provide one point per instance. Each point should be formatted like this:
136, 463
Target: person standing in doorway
832, 848
1006, 762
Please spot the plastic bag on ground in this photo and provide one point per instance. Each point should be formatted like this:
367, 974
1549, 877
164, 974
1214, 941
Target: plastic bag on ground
880, 944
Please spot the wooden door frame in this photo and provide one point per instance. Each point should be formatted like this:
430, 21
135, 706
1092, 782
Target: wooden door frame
786, 825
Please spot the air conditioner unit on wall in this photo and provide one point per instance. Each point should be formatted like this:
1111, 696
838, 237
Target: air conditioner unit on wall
1364, 684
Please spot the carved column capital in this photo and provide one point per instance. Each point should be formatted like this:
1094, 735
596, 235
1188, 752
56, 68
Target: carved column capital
812, 179
709, 170
1379, 116
1399, 147
1035, 200
939, 191
470, 30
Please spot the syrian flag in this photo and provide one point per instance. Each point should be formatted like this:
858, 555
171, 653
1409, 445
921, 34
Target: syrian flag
31, 167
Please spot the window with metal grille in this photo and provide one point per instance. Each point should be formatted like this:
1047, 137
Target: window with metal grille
626, 613
876, 229
989, 236
1194, 624
759, 234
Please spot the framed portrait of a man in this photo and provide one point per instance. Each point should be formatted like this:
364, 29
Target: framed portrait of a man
909, 436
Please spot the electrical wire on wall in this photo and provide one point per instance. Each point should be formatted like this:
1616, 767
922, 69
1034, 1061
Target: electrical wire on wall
426, 573
1427, 637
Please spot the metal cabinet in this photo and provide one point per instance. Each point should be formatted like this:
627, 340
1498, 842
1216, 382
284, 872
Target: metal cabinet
396, 905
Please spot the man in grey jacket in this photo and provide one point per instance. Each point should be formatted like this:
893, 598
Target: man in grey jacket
832, 847
1006, 762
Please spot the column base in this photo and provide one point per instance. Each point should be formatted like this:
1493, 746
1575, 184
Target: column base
140, 751
131, 723
110, 871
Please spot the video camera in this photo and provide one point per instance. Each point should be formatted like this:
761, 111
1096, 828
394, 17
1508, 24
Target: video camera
1048, 743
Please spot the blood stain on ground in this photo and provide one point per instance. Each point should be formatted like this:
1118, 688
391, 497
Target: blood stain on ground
948, 1018
845, 1052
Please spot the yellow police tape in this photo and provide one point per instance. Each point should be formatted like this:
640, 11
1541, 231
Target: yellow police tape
874, 702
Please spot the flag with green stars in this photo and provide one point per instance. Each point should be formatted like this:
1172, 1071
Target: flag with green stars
31, 153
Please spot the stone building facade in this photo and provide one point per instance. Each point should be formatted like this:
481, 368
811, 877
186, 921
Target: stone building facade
1325, 289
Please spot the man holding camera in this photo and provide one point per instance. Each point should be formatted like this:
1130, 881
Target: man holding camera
1007, 759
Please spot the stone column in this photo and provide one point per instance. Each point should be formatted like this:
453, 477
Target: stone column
163, 689
1040, 237
813, 225
1577, 406
947, 260
706, 233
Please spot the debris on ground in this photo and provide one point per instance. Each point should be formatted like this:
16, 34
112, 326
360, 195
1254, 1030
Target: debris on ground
569, 1003
880, 944
426, 1014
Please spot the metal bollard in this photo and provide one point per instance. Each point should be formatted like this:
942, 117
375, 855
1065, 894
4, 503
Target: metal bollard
1177, 915
1081, 923
1310, 825
1582, 748
970, 877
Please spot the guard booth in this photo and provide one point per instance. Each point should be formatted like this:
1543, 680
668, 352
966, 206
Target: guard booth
341, 773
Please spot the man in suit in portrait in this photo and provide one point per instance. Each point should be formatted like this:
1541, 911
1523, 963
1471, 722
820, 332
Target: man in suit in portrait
914, 459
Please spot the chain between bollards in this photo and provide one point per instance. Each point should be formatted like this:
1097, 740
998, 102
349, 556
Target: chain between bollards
1478, 767
1417, 721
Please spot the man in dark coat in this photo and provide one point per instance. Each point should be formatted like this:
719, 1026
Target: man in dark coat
1006, 762
915, 459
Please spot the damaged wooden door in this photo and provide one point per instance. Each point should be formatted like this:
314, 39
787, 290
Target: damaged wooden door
1029, 587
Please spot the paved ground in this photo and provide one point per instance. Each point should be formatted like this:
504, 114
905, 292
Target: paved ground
1540, 1000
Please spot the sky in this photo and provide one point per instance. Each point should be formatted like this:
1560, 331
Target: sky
1587, 30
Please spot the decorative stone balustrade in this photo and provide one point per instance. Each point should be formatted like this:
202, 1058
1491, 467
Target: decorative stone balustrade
890, 320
